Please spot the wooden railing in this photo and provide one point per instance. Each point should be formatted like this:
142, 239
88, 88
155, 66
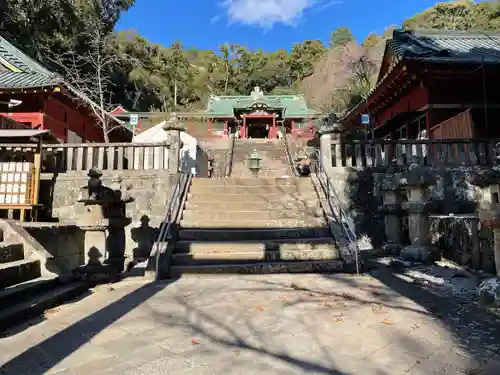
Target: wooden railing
384, 153
105, 156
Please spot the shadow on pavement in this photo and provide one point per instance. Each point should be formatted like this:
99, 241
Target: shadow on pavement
72, 338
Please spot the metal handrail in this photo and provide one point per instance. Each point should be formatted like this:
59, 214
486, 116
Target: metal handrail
336, 207
288, 154
175, 197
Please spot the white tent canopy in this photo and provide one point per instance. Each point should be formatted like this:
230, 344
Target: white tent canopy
156, 134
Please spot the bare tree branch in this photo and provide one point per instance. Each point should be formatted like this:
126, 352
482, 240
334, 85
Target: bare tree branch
90, 73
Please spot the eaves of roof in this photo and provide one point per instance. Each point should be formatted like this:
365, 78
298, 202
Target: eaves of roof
438, 46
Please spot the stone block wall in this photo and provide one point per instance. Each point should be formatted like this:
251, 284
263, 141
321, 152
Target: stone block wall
63, 241
150, 190
464, 241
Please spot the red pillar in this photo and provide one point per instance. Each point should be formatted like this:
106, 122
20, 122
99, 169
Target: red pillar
243, 129
209, 126
273, 132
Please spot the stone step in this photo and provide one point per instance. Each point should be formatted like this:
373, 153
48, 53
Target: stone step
250, 214
252, 198
237, 181
247, 198
261, 234
11, 252
249, 223
39, 303
13, 273
318, 266
288, 244
267, 174
246, 257
15, 294
255, 206
251, 190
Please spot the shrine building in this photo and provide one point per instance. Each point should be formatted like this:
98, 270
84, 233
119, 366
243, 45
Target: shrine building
436, 84
33, 95
258, 115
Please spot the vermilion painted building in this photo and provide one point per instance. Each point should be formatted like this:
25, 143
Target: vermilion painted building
33, 95
259, 116
435, 84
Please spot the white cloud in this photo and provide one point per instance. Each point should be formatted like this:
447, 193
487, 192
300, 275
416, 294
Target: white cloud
266, 13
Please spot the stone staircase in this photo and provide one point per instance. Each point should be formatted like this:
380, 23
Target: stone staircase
253, 225
27, 288
272, 151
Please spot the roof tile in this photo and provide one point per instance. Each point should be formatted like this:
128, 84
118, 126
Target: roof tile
33, 74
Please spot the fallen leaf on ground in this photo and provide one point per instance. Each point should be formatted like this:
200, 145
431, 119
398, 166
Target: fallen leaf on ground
388, 322
282, 297
339, 320
236, 352
260, 308
348, 296
51, 311
376, 308
195, 342
325, 304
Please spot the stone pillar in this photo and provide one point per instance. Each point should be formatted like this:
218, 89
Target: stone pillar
174, 150
94, 238
489, 210
329, 139
173, 127
391, 207
417, 180
489, 216
326, 151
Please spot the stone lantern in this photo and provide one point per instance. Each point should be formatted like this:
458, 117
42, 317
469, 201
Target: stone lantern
416, 181
254, 160
489, 216
392, 209
103, 224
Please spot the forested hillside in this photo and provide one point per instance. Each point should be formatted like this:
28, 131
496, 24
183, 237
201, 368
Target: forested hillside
76, 38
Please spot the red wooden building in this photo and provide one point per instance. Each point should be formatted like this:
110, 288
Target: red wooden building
33, 95
436, 84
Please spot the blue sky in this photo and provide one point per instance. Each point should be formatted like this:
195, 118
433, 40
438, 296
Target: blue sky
266, 24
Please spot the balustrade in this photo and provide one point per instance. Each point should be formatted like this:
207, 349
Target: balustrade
105, 156
383, 153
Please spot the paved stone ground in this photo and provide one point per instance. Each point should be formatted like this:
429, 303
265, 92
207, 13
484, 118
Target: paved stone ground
259, 325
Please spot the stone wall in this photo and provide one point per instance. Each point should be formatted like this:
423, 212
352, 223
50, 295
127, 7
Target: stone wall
150, 189
63, 241
453, 204
460, 237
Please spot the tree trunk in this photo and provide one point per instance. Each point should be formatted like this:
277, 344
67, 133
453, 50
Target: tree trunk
227, 78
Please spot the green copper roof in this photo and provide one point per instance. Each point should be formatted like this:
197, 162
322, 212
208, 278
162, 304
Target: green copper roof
19, 71
224, 106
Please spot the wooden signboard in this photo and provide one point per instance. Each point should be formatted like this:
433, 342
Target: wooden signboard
16, 183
